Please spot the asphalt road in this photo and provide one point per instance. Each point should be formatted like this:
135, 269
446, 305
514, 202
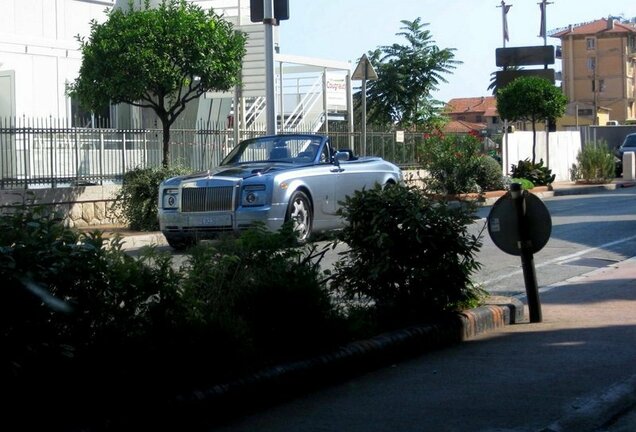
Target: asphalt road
588, 232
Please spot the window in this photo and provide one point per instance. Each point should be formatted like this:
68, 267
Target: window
590, 43
601, 85
478, 119
81, 117
591, 63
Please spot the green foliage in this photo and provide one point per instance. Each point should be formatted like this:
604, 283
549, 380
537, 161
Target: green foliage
266, 291
489, 174
455, 165
137, 199
534, 172
525, 183
76, 304
407, 75
531, 99
158, 58
409, 257
595, 164
72, 302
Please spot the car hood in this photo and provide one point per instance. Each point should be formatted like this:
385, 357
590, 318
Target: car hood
239, 171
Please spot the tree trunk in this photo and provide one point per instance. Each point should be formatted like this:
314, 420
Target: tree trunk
166, 142
534, 140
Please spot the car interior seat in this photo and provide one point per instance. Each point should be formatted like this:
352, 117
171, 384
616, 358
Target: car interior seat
279, 153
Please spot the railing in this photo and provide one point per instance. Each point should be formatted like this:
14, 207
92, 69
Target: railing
48, 153
293, 121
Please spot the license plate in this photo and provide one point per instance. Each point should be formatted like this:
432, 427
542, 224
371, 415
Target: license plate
217, 220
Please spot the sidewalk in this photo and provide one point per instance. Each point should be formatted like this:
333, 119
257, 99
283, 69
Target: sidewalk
575, 371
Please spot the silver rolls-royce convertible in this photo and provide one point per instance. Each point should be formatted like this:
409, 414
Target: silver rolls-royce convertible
272, 179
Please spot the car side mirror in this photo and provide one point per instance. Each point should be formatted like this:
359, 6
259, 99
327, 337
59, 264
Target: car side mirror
342, 156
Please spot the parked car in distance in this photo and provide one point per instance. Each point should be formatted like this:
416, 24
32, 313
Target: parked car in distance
272, 179
628, 145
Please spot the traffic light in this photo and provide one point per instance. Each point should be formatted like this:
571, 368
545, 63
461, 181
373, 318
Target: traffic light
552, 126
281, 10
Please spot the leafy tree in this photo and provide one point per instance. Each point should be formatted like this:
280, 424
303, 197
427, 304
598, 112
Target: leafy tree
407, 74
159, 58
531, 99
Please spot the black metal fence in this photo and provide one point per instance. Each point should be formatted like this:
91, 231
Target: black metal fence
49, 153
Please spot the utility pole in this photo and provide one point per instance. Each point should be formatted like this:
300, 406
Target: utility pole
504, 21
505, 36
543, 32
270, 98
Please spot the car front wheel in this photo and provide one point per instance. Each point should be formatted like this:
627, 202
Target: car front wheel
300, 213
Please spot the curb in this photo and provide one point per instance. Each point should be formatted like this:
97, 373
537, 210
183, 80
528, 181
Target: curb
350, 360
598, 411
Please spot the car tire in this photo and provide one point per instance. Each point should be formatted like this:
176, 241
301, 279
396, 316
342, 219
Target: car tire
300, 212
179, 243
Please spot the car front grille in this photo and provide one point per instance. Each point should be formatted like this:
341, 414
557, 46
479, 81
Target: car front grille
207, 199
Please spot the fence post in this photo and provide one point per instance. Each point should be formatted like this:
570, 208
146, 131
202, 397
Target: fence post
145, 148
77, 156
101, 157
26, 144
123, 153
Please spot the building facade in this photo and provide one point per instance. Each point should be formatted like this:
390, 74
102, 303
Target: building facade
598, 70
478, 114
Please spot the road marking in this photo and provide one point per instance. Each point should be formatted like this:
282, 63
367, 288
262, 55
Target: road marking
560, 259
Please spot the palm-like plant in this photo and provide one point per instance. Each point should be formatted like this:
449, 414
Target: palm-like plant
407, 75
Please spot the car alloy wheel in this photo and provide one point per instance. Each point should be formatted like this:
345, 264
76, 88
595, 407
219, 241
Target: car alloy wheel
299, 212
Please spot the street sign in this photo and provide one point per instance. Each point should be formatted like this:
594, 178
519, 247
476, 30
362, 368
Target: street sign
503, 225
281, 10
506, 77
520, 224
364, 70
525, 56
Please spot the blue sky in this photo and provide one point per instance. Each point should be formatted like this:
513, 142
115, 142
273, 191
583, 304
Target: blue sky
345, 29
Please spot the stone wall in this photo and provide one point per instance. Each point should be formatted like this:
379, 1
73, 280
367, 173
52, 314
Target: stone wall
79, 207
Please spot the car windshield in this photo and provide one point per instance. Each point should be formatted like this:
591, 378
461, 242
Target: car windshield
630, 141
286, 149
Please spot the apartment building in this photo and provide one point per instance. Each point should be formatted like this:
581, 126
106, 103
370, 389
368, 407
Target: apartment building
478, 114
598, 70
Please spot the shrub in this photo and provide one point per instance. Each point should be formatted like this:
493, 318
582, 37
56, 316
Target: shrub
525, 183
74, 304
409, 257
595, 164
536, 173
489, 174
138, 196
452, 163
266, 291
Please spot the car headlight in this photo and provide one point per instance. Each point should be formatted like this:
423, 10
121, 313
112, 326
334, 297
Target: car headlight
253, 195
170, 198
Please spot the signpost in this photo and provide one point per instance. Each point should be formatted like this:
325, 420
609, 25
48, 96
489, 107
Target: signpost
364, 71
523, 56
269, 12
519, 224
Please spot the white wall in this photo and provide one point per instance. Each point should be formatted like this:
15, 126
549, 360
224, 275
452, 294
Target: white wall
37, 43
563, 149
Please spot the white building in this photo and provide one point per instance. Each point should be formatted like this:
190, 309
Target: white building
39, 56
